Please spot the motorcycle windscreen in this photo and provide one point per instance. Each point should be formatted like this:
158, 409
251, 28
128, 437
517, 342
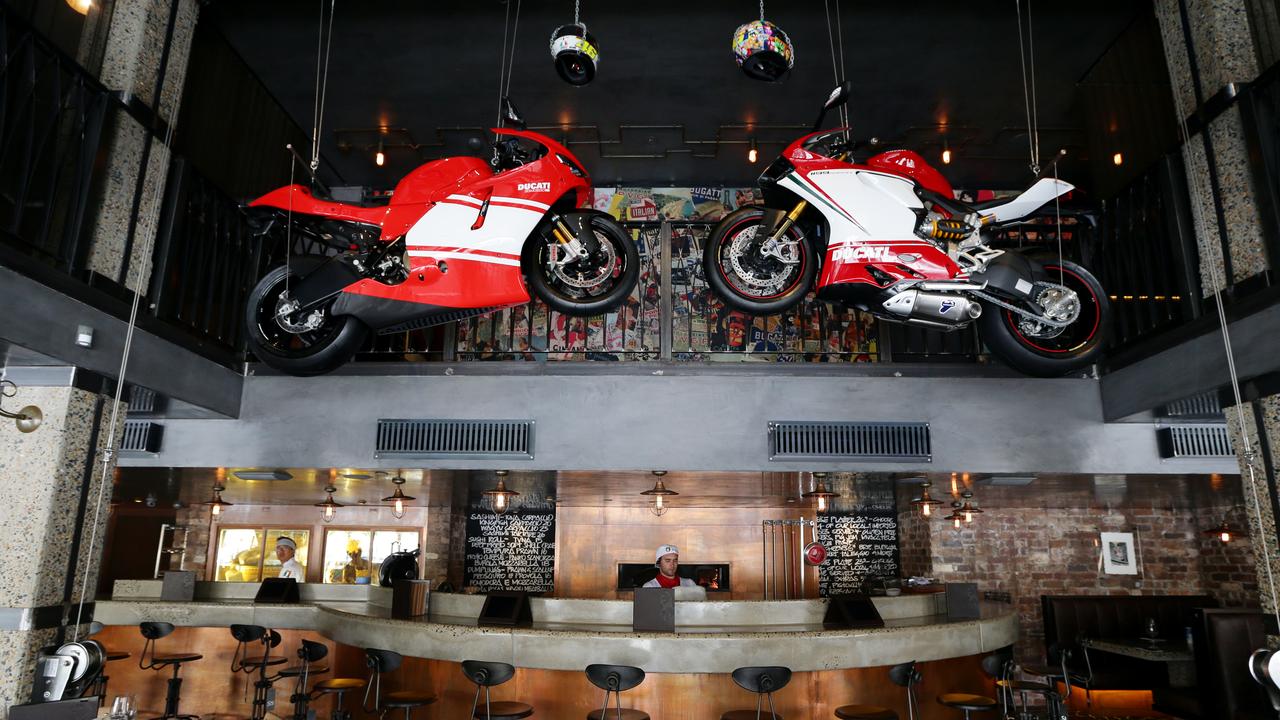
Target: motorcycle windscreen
1029, 201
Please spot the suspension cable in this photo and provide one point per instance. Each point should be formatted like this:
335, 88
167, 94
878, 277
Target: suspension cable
844, 109
324, 44
1248, 453
515, 30
502, 59
835, 66
1033, 132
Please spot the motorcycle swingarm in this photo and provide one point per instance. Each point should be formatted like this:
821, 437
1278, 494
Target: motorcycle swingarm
1012, 275
326, 281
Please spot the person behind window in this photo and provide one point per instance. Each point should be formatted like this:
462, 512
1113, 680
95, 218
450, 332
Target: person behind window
667, 558
357, 570
286, 548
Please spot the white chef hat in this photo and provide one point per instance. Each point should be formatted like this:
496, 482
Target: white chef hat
665, 550
286, 542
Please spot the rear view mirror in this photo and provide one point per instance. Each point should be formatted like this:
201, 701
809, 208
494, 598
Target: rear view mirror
839, 96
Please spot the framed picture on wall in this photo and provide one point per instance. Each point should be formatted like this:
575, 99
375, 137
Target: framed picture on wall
1118, 557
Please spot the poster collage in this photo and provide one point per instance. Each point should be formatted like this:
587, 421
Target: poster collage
702, 327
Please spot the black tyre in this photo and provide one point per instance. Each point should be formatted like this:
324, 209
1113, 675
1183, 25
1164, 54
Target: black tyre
309, 343
588, 286
1045, 354
750, 281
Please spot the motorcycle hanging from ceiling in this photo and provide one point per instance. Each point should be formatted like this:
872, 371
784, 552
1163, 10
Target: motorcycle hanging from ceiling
459, 237
884, 234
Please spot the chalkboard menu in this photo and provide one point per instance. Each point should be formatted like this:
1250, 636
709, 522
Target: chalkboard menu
515, 550
860, 534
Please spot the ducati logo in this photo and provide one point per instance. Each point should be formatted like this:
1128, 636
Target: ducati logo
534, 187
861, 253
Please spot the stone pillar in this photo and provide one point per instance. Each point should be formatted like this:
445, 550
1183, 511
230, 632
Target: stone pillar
134, 59
1260, 493
1223, 53
50, 482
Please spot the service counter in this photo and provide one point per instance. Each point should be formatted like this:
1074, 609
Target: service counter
712, 638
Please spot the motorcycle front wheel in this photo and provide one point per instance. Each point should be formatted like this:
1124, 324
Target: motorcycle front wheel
586, 286
313, 342
749, 280
1043, 352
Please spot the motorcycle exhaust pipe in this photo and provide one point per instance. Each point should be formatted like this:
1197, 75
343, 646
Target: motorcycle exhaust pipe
936, 307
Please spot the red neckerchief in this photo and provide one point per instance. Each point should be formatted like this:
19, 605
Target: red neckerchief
667, 582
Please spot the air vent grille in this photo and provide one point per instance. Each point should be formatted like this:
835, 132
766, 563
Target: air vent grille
456, 438
141, 436
882, 441
1204, 405
1194, 441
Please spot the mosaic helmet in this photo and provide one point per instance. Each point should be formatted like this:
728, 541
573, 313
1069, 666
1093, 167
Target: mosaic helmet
763, 50
576, 53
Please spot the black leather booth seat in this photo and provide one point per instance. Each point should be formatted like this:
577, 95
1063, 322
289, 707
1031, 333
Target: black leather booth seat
1068, 618
1224, 639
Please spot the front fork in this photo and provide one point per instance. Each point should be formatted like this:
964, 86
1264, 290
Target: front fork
772, 244
574, 244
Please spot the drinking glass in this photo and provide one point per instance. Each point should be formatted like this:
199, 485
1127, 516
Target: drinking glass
123, 708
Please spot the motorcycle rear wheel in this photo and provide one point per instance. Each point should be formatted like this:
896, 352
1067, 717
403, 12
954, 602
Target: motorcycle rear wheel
733, 289
315, 351
617, 266
1078, 345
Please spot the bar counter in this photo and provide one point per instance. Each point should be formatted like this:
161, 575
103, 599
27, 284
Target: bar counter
567, 634
688, 670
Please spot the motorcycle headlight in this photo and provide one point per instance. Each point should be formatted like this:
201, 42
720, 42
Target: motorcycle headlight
576, 53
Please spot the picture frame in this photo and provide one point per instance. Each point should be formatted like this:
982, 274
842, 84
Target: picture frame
1118, 553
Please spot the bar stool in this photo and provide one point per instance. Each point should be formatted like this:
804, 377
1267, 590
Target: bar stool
490, 674
310, 652
905, 676
385, 661
763, 681
1054, 671
969, 702
339, 686
243, 662
99, 686
151, 660
613, 679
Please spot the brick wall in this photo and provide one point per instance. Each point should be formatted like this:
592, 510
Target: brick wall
1029, 552
197, 521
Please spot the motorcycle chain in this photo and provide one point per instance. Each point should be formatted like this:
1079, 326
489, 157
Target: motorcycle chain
1025, 313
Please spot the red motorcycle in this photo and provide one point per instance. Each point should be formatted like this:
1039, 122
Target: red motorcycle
885, 234
459, 237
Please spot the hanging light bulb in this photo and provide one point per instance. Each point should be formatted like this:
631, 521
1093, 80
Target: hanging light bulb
329, 508
1118, 158
946, 152
753, 154
81, 6
956, 517
925, 502
969, 509
397, 498
217, 503
659, 492
380, 157
1223, 532
820, 492
500, 497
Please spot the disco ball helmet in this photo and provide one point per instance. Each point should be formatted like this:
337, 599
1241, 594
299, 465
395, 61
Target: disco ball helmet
763, 50
576, 53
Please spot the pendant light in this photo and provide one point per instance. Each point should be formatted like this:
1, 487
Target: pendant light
329, 508
397, 498
753, 153
659, 492
956, 517
81, 6
820, 492
969, 509
217, 503
925, 502
1223, 532
500, 497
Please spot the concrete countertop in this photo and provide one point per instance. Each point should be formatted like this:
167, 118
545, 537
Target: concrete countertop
710, 637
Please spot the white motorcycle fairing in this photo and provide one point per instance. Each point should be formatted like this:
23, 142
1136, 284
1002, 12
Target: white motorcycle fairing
1031, 199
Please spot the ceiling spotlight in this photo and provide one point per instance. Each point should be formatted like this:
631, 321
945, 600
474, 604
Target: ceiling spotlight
28, 418
500, 497
216, 503
753, 153
1118, 159
262, 474
820, 492
659, 492
397, 498
329, 508
925, 502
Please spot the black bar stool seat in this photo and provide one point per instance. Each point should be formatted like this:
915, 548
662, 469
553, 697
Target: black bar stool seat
764, 681
175, 658
333, 685
407, 699
296, 670
490, 674
261, 660
615, 714
865, 712
968, 702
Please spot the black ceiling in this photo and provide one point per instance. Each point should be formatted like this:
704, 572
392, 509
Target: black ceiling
916, 68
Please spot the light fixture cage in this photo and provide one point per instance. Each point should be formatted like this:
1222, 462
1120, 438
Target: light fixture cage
500, 496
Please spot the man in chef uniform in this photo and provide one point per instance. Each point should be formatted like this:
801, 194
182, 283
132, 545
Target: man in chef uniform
667, 558
286, 548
